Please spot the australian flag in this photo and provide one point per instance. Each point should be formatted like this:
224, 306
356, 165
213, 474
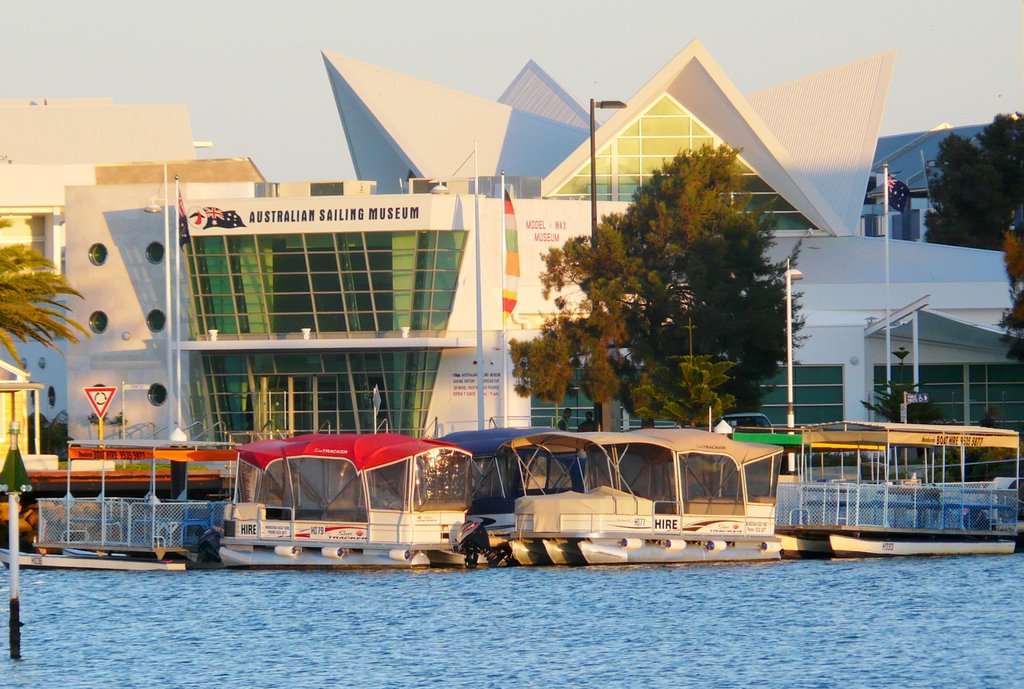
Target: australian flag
184, 236
215, 217
899, 194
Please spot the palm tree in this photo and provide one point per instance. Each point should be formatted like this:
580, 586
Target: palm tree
30, 306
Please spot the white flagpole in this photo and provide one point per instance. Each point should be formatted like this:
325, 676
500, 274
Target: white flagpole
479, 299
885, 226
168, 308
177, 301
504, 332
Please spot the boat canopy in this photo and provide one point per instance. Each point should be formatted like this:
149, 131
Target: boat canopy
693, 440
485, 443
342, 476
364, 451
868, 435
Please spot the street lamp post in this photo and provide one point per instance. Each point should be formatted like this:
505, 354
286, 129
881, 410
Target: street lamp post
594, 105
791, 275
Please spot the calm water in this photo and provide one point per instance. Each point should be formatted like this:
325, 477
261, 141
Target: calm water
922, 622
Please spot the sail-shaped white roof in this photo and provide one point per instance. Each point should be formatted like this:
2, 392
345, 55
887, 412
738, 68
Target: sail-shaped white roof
811, 140
829, 124
396, 125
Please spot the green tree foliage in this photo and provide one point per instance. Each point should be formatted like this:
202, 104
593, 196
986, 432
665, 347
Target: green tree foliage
1013, 318
888, 401
682, 271
30, 300
683, 393
979, 186
53, 435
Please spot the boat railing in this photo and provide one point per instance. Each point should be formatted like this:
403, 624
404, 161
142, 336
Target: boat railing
126, 523
974, 507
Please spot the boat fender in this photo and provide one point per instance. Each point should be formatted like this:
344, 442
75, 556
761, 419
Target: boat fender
716, 546
773, 547
631, 543
289, 551
400, 554
333, 552
675, 544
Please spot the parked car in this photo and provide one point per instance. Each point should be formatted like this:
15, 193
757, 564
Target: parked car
746, 419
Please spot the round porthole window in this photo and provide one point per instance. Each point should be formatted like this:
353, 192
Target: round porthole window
98, 321
98, 254
157, 394
155, 320
155, 252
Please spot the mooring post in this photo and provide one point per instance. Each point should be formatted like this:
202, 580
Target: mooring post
12, 537
14, 480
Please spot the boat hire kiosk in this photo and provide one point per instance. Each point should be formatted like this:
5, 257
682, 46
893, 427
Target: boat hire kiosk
876, 489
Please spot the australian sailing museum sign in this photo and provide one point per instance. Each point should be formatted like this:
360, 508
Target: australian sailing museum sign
307, 214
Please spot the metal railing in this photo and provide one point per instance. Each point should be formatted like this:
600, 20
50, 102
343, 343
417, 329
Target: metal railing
128, 523
946, 507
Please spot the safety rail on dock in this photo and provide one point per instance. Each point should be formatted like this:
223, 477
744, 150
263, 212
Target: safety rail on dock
135, 524
935, 507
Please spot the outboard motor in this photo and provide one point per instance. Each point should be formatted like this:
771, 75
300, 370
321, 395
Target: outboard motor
208, 546
471, 539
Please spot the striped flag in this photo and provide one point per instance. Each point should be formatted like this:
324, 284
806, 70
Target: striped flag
510, 289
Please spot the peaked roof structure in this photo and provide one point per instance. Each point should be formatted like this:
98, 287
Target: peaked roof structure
399, 126
811, 141
695, 81
533, 90
829, 123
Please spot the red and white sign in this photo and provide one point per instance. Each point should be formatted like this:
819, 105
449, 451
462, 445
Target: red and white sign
100, 399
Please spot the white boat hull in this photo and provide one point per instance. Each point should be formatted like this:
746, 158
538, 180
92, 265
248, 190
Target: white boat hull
800, 546
879, 546
625, 551
295, 556
86, 560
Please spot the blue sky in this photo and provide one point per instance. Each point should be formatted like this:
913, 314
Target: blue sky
254, 81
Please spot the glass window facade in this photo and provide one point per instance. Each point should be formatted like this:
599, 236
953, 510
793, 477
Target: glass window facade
336, 285
999, 387
817, 395
332, 283
302, 392
653, 139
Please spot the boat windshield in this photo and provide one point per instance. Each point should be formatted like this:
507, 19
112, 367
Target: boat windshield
762, 479
441, 480
545, 472
327, 489
597, 469
498, 476
247, 482
273, 488
711, 484
648, 472
386, 486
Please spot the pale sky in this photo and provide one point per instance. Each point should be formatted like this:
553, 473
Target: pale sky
254, 82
